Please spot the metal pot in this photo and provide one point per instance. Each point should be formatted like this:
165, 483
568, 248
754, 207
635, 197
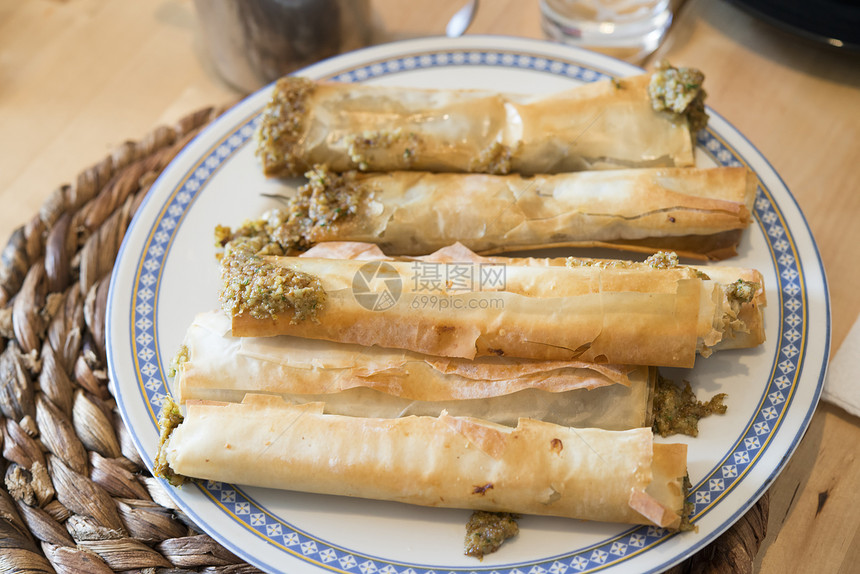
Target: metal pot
254, 42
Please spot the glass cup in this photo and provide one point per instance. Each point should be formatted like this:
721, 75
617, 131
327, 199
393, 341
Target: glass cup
626, 29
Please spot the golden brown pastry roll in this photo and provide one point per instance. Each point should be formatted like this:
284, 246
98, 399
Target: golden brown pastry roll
745, 286
695, 212
388, 383
657, 313
625, 122
744, 283
445, 461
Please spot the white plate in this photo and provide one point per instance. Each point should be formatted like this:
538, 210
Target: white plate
166, 273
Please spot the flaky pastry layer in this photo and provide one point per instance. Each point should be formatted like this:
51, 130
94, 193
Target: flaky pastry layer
605, 124
445, 461
387, 383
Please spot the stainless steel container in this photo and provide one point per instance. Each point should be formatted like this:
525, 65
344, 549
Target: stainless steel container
254, 42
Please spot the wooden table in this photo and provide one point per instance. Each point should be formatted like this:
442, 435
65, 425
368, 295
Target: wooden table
77, 77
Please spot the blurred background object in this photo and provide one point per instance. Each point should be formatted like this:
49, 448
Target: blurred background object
627, 29
461, 20
833, 22
254, 42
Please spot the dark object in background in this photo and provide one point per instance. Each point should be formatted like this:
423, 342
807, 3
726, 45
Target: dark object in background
833, 22
254, 42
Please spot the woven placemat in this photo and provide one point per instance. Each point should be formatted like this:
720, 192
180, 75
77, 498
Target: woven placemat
76, 496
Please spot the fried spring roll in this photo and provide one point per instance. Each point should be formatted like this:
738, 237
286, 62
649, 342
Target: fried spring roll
742, 283
638, 314
695, 212
445, 461
641, 121
389, 383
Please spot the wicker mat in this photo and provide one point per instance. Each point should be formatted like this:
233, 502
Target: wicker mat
77, 496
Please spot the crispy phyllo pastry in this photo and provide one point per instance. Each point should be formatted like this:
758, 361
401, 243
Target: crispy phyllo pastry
445, 461
389, 383
457, 304
641, 121
698, 213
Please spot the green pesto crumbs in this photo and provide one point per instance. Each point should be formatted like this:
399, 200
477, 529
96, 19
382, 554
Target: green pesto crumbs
679, 91
170, 418
495, 159
281, 126
599, 263
359, 144
308, 216
660, 260
741, 291
663, 260
486, 531
254, 285
678, 411
180, 357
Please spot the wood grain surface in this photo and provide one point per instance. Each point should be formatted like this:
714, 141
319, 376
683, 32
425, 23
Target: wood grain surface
77, 77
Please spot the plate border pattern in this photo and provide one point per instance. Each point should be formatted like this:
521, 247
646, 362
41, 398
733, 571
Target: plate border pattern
725, 476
